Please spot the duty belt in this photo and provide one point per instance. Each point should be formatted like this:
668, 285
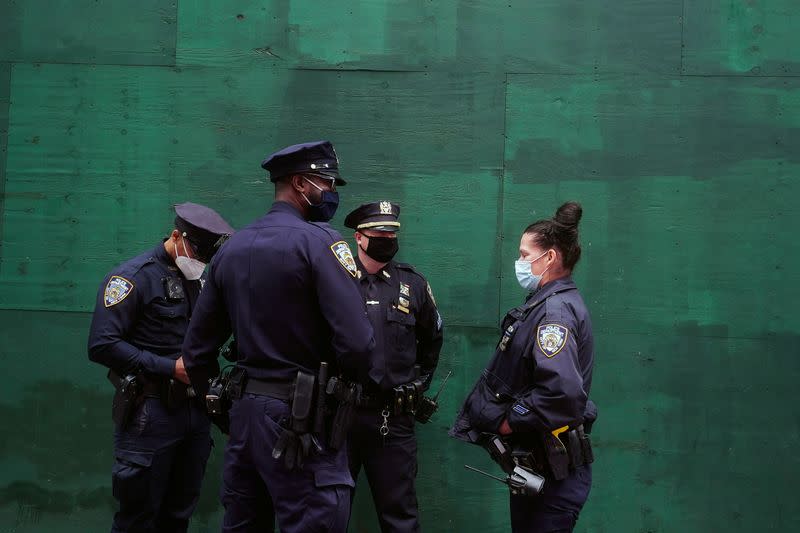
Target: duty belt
281, 390
374, 402
158, 386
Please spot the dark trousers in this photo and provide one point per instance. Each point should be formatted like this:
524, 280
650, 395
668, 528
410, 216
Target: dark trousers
556, 509
390, 465
160, 460
315, 498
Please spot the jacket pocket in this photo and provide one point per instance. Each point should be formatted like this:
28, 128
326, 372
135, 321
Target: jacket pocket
402, 330
490, 403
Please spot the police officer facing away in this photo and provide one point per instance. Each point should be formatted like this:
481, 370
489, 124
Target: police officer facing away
285, 287
161, 438
535, 390
408, 338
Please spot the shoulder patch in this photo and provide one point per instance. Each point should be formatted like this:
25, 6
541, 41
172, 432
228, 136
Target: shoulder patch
551, 338
117, 289
430, 294
343, 254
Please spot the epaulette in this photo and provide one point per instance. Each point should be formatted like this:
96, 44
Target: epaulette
327, 228
410, 268
133, 266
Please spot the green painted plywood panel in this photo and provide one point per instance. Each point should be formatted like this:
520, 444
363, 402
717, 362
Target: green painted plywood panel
677, 189
56, 465
5, 96
464, 35
434, 147
88, 31
88, 145
93, 143
744, 37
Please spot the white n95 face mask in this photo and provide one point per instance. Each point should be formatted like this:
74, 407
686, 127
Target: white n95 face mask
191, 268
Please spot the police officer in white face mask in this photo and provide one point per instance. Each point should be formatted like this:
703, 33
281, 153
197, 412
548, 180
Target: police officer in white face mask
142, 312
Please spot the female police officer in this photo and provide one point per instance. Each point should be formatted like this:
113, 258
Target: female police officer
534, 392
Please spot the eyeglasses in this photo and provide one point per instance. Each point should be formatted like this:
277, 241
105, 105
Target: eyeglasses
325, 178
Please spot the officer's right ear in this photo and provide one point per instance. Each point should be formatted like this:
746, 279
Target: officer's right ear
298, 183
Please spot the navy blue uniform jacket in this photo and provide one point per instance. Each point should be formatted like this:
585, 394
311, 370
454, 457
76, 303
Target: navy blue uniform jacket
136, 325
286, 289
541, 372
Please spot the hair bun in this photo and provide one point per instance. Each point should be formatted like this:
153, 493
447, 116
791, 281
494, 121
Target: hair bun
569, 214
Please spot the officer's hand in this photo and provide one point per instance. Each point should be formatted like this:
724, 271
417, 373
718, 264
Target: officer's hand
180, 371
505, 429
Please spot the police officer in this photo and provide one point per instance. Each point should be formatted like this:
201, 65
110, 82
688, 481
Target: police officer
161, 438
285, 287
535, 390
408, 338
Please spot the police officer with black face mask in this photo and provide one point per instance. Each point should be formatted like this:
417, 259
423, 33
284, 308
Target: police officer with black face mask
285, 287
408, 338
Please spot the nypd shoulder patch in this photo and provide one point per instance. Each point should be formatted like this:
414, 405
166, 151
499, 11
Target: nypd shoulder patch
551, 338
343, 254
520, 409
117, 289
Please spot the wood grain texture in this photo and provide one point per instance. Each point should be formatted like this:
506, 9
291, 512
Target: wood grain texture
675, 124
459, 35
97, 143
680, 181
88, 31
741, 37
5, 97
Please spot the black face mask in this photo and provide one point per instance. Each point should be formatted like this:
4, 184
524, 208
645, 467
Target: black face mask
381, 249
326, 208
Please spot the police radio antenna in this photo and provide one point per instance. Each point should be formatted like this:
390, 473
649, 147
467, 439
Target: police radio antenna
501, 480
441, 387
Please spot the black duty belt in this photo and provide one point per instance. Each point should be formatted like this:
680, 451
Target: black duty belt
162, 387
377, 402
281, 390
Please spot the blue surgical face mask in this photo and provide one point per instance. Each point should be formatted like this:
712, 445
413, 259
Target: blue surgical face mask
326, 208
527, 279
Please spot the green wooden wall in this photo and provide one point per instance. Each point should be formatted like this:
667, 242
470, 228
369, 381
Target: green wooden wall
675, 122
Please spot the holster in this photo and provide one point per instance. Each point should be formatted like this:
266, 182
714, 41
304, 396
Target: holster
301, 404
566, 452
557, 457
344, 396
236, 382
218, 400
127, 398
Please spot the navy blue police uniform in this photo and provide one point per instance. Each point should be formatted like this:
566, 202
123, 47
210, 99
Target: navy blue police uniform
408, 339
539, 380
141, 316
285, 288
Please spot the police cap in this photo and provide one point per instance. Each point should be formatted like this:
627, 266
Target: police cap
316, 157
378, 216
203, 227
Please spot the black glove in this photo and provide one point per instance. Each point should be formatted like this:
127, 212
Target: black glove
295, 448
